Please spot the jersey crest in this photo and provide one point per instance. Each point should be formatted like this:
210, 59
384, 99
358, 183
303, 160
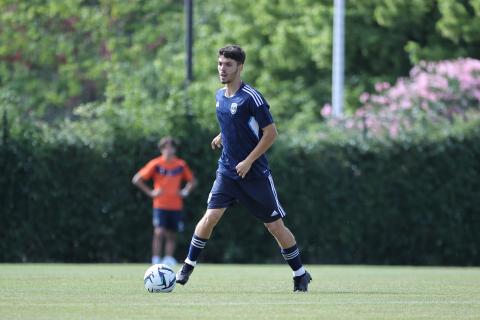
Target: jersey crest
233, 108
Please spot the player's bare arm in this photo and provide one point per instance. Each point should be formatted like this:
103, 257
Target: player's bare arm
138, 181
269, 136
217, 142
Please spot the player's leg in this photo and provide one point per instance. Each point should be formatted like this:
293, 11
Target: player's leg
288, 246
157, 244
281, 233
261, 198
202, 233
170, 244
174, 224
209, 220
220, 197
157, 238
290, 253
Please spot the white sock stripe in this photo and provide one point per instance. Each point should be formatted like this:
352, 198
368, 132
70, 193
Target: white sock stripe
272, 185
198, 240
197, 243
291, 255
290, 258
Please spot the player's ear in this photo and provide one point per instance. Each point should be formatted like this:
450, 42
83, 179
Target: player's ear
240, 66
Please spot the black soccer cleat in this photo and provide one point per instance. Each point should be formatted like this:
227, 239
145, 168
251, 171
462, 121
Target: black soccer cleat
184, 273
300, 283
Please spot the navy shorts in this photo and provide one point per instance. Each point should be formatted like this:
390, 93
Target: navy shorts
169, 219
258, 195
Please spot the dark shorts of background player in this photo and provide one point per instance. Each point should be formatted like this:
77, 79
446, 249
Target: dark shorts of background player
258, 195
169, 219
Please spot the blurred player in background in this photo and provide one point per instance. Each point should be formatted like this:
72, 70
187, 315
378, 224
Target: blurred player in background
168, 173
247, 131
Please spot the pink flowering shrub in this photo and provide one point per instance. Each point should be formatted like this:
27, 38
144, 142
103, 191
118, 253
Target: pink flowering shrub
434, 95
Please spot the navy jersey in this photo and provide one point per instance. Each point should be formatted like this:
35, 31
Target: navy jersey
241, 118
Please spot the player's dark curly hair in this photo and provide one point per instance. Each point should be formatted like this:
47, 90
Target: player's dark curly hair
234, 52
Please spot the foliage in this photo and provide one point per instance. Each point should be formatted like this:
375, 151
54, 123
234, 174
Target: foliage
348, 201
404, 202
88, 87
434, 96
68, 197
57, 56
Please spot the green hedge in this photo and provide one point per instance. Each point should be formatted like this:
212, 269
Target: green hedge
406, 203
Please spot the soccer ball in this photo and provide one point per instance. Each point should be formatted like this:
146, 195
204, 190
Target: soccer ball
159, 278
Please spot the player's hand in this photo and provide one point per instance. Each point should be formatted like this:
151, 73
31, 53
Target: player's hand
155, 193
217, 142
243, 168
184, 193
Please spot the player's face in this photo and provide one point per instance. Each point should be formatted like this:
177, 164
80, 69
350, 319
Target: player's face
168, 150
228, 69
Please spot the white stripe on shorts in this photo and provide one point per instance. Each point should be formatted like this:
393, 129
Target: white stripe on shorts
282, 212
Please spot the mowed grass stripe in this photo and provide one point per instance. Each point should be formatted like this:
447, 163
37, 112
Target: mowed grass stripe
115, 291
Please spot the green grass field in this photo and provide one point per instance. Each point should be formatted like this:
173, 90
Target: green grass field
103, 291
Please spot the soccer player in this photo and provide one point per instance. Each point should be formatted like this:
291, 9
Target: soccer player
168, 173
243, 174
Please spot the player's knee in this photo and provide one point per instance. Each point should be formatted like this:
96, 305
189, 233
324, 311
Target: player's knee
210, 220
158, 232
275, 227
211, 217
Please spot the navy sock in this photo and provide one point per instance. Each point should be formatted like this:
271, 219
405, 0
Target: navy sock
196, 246
292, 256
